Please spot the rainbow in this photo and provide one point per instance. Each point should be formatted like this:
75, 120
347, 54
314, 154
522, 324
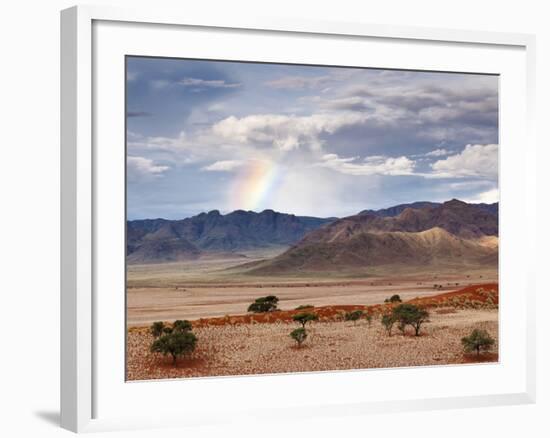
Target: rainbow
254, 185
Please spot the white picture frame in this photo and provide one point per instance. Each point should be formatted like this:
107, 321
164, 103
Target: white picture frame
80, 196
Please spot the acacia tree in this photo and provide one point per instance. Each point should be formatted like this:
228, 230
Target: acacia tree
175, 344
181, 326
264, 304
388, 321
305, 317
299, 335
477, 341
393, 299
409, 314
157, 328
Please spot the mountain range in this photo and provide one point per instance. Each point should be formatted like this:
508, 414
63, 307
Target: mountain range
162, 240
420, 233
397, 209
453, 233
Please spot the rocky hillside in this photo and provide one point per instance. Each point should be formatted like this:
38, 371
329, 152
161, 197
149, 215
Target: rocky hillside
453, 233
213, 231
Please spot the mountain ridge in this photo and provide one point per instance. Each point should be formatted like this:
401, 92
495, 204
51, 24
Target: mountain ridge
453, 233
214, 231
163, 240
397, 209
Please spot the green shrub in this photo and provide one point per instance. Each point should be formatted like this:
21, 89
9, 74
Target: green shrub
157, 328
180, 326
368, 317
175, 344
354, 315
479, 340
305, 317
264, 304
393, 299
299, 335
409, 314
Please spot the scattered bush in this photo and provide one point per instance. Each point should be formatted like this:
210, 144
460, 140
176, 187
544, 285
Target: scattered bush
157, 328
393, 299
305, 317
368, 317
175, 344
264, 304
354, 315
479, 340
299, 335
409, 314
304, 307
388, 321
180, 326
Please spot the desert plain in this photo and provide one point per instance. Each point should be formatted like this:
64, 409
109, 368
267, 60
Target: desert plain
215, 297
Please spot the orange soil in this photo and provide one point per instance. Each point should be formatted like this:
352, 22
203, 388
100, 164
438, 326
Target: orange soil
471, 296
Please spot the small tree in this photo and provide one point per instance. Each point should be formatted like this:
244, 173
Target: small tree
477, 341
299, 335
264, 304
354, 315
157, 328
175, 344
368, 317
388, 321
305, 317
409, 314
167, 330
393, 299
181, 326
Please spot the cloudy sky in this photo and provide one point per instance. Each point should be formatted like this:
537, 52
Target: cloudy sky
205, 135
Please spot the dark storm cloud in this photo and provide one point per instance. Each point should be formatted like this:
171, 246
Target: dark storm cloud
170, 89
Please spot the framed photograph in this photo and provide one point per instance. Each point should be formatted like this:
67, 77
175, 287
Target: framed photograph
258, 208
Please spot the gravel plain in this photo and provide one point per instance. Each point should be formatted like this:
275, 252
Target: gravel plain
256, 348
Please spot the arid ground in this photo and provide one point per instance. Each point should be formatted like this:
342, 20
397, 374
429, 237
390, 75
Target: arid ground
205, 288
228, 347
232, 342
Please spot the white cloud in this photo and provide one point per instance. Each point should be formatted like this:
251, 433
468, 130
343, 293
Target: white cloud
323, 83
159, 143
204, 83
140, 168
284, 132
474, 161
223, 166
352, 103
300, 82
374, 165
488, 197
438, 153
218, 106
159, 84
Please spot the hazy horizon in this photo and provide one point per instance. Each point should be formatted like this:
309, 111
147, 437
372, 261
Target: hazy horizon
305, 140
